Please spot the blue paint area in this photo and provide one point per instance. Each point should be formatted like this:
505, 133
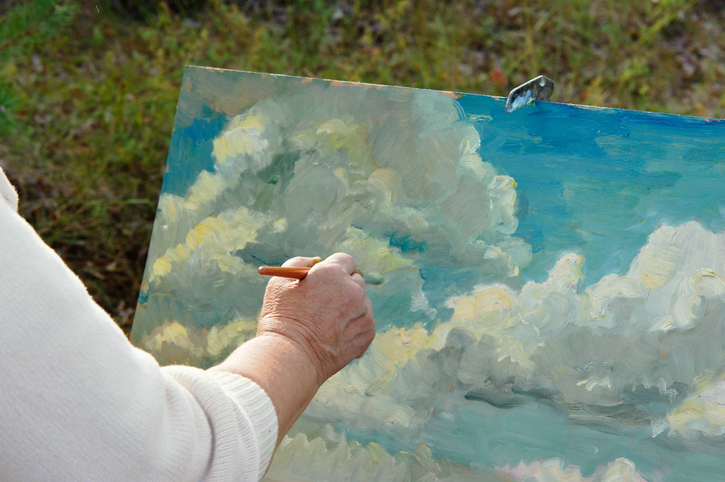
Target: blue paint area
598, 182
503, 438
406, 243
441, 284
494, 437
700, 467
190, 151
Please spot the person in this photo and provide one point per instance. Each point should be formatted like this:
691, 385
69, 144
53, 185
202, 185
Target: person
79, 402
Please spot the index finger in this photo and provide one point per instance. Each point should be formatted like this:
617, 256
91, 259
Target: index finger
343, 260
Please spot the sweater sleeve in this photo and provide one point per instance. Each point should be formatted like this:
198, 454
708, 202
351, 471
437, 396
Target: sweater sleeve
79, 402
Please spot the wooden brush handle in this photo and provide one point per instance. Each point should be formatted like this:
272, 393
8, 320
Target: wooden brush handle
297, 272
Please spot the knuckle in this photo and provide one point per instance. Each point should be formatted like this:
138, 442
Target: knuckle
328, 269
358, 289
369, 337
371, 325
345, 258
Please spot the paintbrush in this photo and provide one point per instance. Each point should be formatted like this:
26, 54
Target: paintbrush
299, 272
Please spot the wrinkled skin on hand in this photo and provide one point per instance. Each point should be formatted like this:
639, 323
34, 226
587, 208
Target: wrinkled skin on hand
327, 314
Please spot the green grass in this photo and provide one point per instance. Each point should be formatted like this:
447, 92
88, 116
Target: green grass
97, 102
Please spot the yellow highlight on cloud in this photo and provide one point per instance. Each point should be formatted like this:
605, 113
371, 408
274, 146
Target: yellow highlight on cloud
490, 305
223, 234
244, 135
229, 337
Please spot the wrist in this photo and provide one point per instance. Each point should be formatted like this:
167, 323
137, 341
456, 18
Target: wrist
282, 368
302, 352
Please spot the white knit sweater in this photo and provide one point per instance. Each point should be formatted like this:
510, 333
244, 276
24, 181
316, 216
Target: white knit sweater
79, 402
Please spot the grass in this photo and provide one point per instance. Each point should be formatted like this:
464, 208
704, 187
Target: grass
97, 102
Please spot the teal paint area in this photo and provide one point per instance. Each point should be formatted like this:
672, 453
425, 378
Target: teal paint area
191, 147
553, 295
602, 175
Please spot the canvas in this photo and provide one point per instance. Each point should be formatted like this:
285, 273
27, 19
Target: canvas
553, 295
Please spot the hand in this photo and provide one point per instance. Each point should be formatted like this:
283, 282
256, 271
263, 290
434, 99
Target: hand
327, 314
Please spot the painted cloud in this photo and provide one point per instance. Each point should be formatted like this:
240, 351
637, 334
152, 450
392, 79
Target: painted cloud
392, 179
622, 339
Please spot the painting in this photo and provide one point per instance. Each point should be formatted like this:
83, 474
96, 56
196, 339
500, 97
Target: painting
552, 304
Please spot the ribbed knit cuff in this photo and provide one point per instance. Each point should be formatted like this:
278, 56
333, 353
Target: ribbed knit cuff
258, 407
7, 191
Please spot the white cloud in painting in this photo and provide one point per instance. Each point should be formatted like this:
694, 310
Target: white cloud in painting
211, 240
625, 341
389, 176
393, 163
409, 373
328, 459
674, 274
669, 306
620, 470
178, 215
700, 415
202, 272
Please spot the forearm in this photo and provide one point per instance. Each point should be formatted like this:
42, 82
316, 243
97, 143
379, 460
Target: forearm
308, 330
282, 369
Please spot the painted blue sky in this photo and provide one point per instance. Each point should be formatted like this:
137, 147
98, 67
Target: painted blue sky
602, 180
